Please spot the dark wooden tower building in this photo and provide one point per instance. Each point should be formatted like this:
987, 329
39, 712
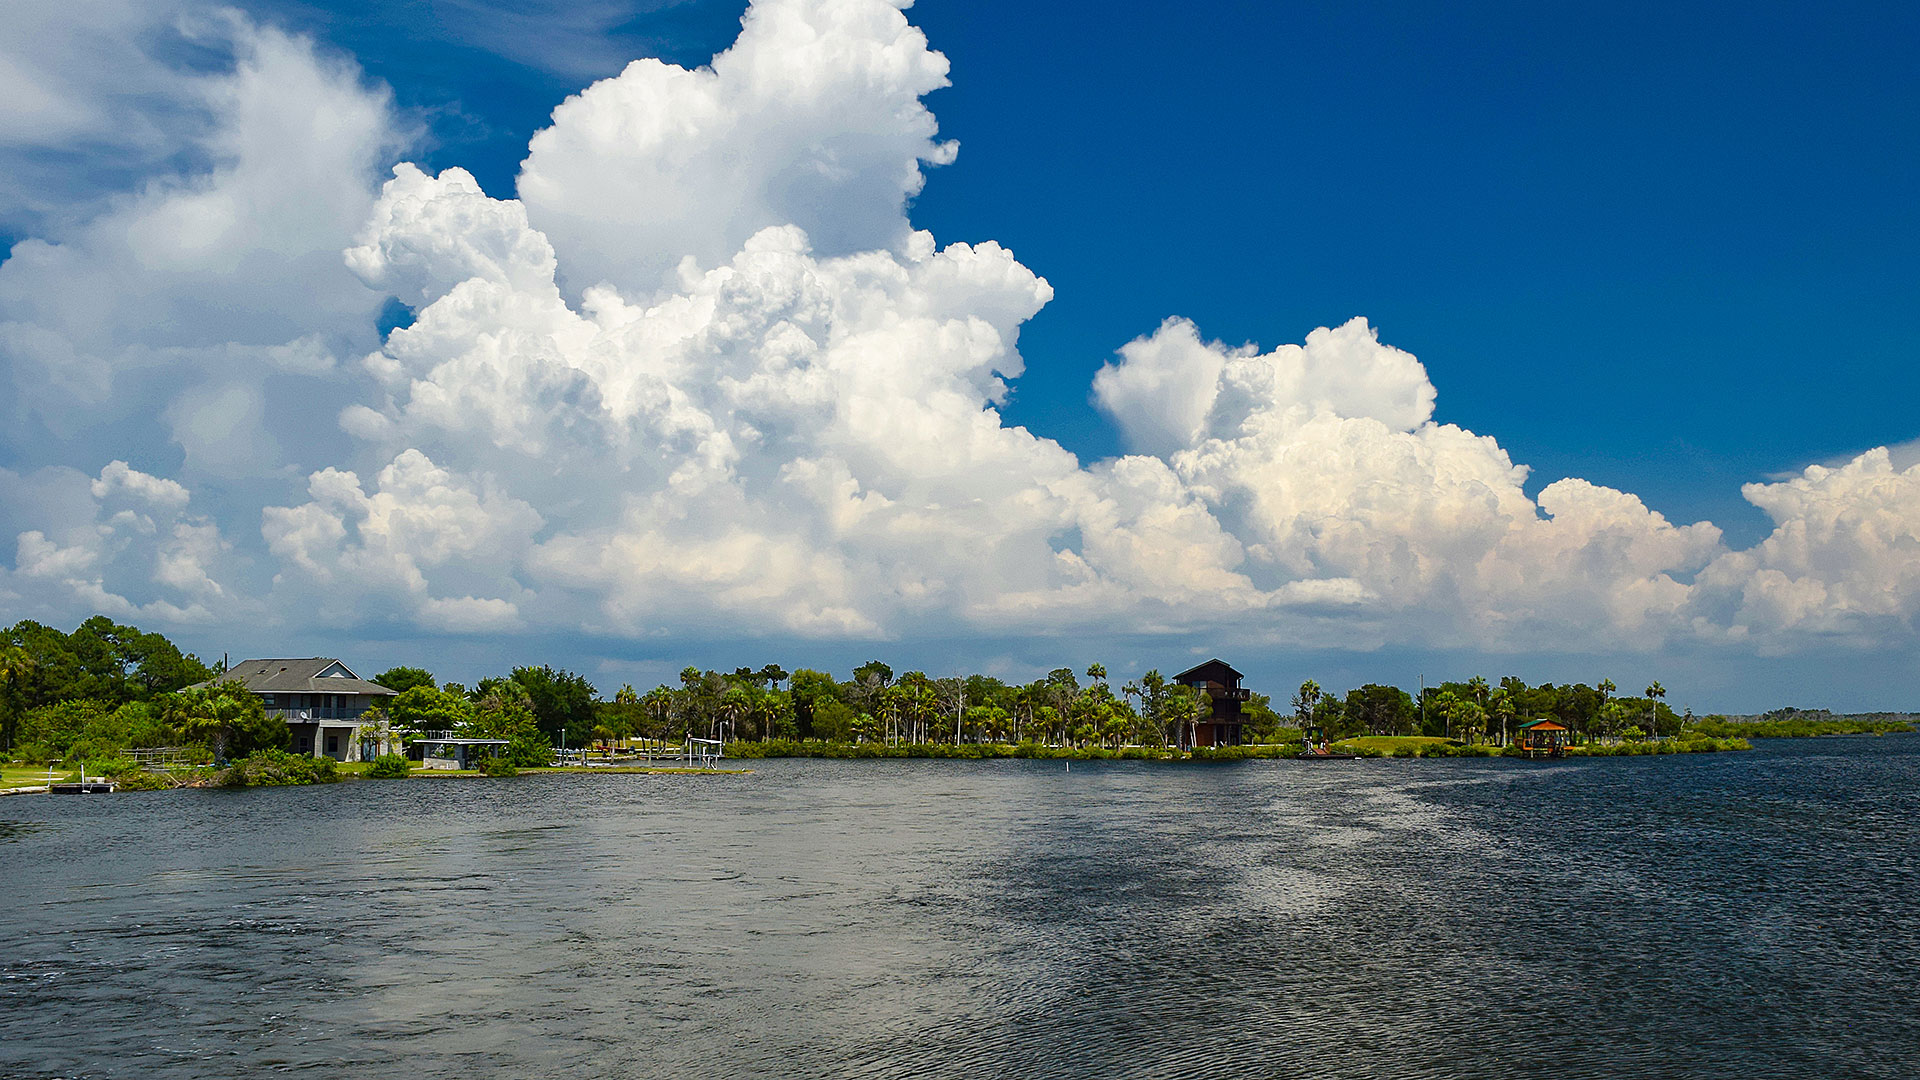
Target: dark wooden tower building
1221, 683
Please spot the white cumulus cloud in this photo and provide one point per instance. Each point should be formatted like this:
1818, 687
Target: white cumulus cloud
813, 118
703, 378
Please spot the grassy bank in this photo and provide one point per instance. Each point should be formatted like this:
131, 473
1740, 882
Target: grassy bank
1419, 746
1796, 728
278, 768
1369, 746
819, 748
591, 770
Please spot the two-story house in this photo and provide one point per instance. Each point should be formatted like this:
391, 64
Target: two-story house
322, 701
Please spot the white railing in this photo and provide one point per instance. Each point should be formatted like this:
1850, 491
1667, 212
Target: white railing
294, 715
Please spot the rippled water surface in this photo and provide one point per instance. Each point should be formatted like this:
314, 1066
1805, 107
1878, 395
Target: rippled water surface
1732, 915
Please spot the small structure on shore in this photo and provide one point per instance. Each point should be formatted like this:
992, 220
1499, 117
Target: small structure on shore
1315, 747
705, 752
95, 786
451, 753
1221, 727
1542, 738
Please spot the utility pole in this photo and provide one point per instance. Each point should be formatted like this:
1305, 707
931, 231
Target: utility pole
1423, 704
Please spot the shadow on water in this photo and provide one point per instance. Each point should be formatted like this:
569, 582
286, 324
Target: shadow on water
11, 830
1702, 916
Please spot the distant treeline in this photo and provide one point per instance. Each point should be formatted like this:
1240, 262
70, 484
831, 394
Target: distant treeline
104, 688
1802, 723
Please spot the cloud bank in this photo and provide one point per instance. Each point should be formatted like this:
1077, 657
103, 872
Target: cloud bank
703, 378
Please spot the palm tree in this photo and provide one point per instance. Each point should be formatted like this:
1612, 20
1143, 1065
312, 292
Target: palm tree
16, 666
1502, 707
1305, 702
1654, 694
1606, 687
659, 707
223, 718
732, 706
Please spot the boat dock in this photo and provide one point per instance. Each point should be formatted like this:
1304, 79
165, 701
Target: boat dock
85, 787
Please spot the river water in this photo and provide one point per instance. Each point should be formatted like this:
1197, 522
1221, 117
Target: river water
1727, 915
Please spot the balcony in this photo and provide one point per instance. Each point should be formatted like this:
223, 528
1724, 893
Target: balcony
307, 716
1231, 695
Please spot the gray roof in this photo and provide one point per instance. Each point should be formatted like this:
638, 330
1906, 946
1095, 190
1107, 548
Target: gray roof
1214, 666
309, 675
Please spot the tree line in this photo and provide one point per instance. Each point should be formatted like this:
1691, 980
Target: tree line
106, 687
1477, 710
873, 704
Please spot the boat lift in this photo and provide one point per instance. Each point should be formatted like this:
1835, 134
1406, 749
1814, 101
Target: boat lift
705, 751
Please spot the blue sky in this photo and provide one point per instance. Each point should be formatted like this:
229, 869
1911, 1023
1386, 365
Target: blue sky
1669, 250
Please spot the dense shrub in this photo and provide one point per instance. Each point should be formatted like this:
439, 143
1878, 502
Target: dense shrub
499, 766
105, 766
141, 780
34, 753
389, 766
1792, 728
276, 768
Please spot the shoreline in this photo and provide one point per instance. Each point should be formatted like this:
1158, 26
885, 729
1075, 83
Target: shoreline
736, 763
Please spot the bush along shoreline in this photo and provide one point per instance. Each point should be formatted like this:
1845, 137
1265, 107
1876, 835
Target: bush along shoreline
277, 768
1366, 747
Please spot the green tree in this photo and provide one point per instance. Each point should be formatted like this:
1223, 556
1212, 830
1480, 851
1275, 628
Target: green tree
1186, 707
1262, 723
508, 716
101, 660
874, 670
1305, 701
1500, 709
422, 708
1155, 695
1655, 693
58, 726
562, 702
810, 689
834, 720
402, 679
1382, 710
735, 705
16, 668
1466, 717
156, 666
226, 718
659, 707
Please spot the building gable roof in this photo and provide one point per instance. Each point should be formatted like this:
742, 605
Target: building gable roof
1541, 725
310, 675
1214, 670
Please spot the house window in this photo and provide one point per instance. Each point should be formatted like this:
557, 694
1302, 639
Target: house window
333, 744
306, 744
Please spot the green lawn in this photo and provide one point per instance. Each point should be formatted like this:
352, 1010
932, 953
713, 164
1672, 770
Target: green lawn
590, 771
11, 777
1387, 743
